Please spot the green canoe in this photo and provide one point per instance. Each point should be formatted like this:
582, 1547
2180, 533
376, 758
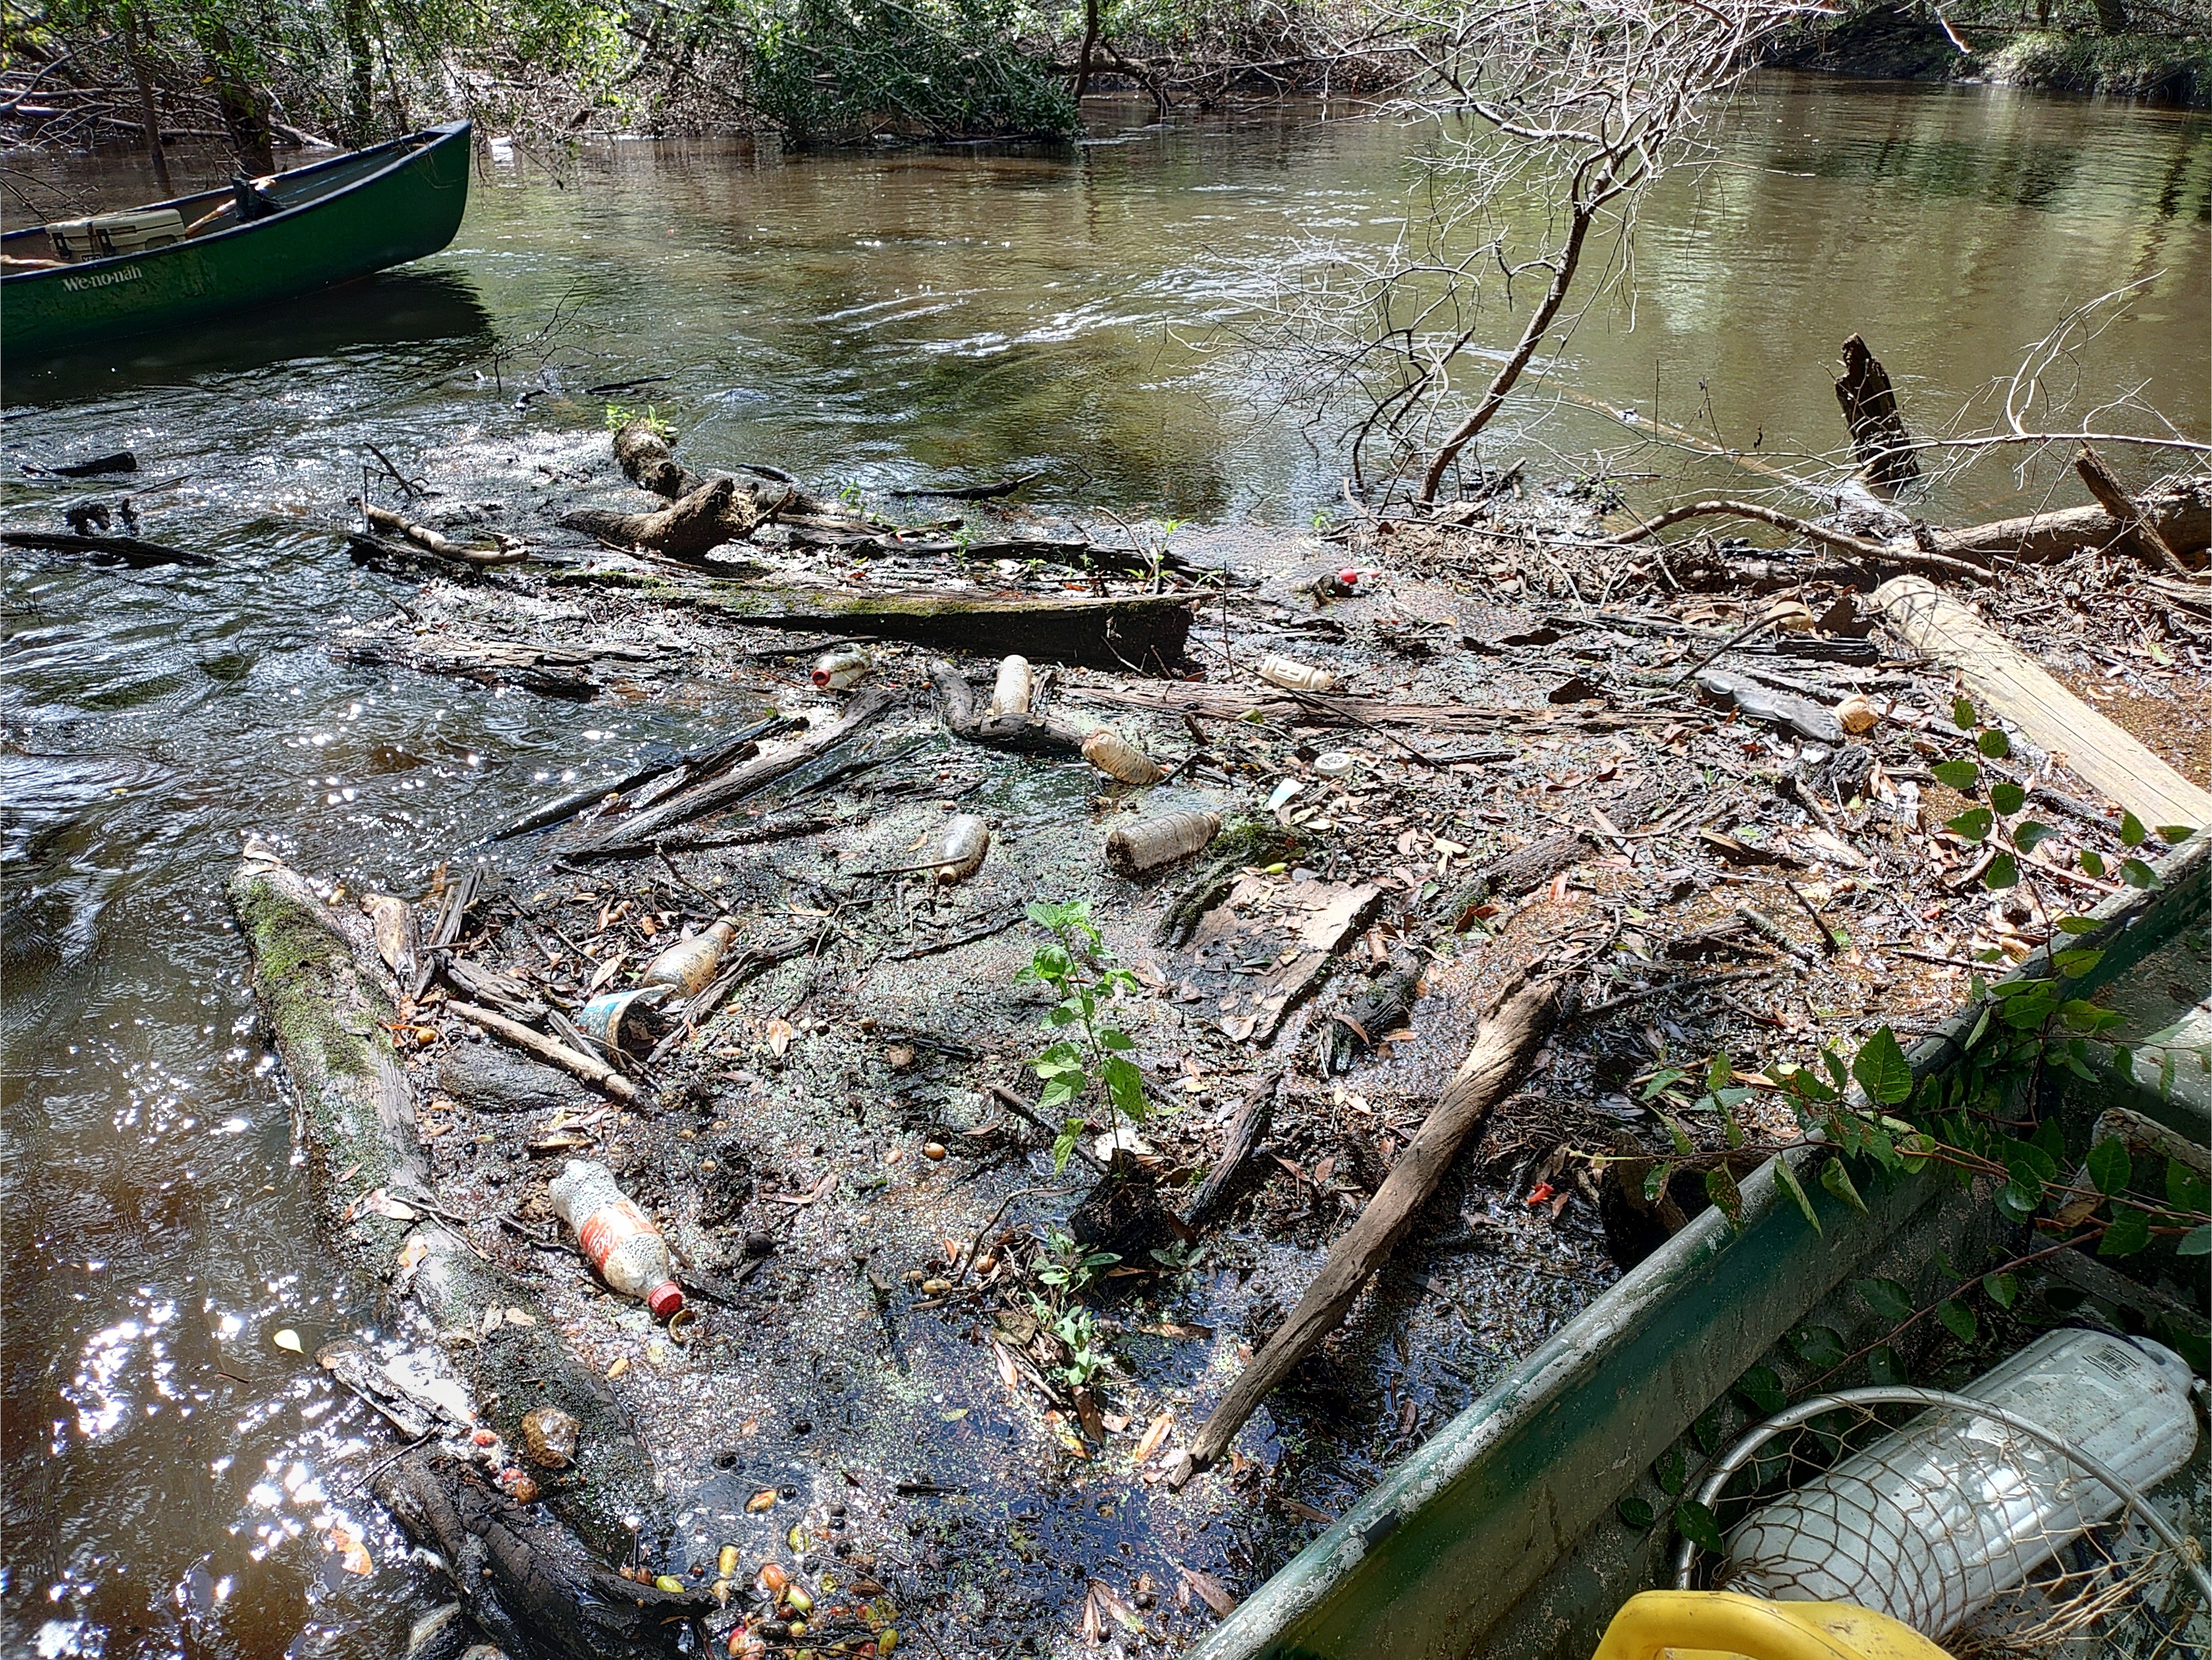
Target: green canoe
315, 227
1501, 1538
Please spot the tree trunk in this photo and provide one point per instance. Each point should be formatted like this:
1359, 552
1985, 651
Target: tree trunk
360, 73
1531, 338
1090, 43
1869, 403
147, 114
2111, 16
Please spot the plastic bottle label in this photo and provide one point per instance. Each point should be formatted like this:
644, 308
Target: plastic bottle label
608, 1227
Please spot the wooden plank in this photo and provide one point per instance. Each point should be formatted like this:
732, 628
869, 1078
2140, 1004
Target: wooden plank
2012, 683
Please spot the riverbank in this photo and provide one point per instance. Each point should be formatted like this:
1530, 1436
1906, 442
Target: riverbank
1902, 43
936, 1377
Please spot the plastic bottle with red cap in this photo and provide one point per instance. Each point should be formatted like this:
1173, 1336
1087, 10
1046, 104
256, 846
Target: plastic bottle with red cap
621, 1245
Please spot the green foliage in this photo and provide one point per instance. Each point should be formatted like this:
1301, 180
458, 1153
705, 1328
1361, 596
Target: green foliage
1067, 1267
621, 415
1093, 1059
833, 72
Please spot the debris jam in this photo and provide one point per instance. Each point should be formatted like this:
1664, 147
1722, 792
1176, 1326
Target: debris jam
1116, 1044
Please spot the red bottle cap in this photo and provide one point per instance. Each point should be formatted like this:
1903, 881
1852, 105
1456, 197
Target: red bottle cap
665, 1299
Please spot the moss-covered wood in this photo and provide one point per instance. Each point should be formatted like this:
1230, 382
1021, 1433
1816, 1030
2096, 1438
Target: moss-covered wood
328, 1003
328, 1010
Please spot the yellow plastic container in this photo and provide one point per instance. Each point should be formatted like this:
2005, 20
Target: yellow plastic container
1712, 1624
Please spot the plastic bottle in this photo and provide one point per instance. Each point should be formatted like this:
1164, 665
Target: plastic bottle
689, 964
1353, 584
1117, 757
960, 853
834, 671
1295, 676
1931, 1522
1015, 687
625, 1249
1151, 843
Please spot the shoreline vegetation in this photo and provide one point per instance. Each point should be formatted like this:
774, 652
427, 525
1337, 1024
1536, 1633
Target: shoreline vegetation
88, 74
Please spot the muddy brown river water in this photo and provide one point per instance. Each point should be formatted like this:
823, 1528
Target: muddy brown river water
869, 320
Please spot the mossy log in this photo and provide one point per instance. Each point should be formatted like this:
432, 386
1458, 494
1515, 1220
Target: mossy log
329, 1002
1142, 633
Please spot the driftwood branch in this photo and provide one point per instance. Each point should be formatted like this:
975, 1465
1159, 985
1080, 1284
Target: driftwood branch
588, 1068
1247, 1131
128, 549
638, 831
1508, 1039
509, 552
1030, 734
710, 515
2140, 531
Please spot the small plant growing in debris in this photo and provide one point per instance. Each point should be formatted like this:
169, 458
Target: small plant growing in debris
621, 415
1093, 1059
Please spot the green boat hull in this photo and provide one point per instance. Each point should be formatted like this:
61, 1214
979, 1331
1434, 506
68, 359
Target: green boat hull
408, 206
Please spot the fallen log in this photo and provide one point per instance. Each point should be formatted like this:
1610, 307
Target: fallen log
130, 550
641, 450
2180, 510
687, 529
2006, 681
1247, 1131
1508, 1039
1017, 730
1879, 437
549, 670
1142, 633
640, 830
330, 1004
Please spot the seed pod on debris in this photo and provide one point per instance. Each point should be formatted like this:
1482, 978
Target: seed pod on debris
549, 1436
1289, 672
1015, 687
834, 671
689, 964
960, 854
1151, 843
1117, 757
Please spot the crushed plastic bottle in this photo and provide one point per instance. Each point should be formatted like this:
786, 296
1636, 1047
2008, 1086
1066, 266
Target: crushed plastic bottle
624, 1249
834, 670
1294, 676
689, 964
1015, 687
1117, 757
1151, 843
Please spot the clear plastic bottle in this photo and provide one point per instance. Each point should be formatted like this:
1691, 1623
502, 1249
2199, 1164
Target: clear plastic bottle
624, 1249
960, 850
1932, 1523
1014, 688
1117, 757
1151, 843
